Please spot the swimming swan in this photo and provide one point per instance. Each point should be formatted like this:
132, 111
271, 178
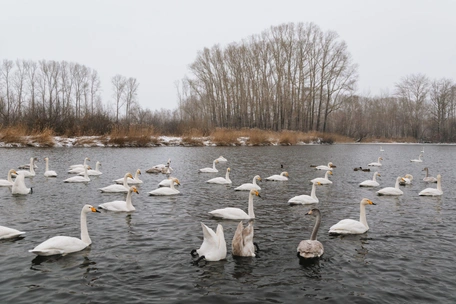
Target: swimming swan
31, 171
329, 167
78, 178
210, 170
80, 165
49, 173
161, 168
167, 182
131, 181
92, 172
305, 199
323, 180
8, 182
419, 160
242, 243
349, 226
165, 190
276, 177
249, 186
221, 180
230, 213
312, 248
67, 244
115, 188
376, 164
433, 191
429, 179
9, 233
213, 247
392, 190
125, 206
406, 180
222, 159
19, 186
371, 182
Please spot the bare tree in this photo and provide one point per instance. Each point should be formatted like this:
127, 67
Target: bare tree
118, 85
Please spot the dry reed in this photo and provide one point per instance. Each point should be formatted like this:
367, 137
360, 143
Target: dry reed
225, 137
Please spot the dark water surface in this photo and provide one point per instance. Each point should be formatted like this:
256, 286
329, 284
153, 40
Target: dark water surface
407, 256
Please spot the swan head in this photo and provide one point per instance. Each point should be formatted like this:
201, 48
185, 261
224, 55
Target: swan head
258, 178
409, 176
317, 183
378, 174
331, 165
255, 192
285, 173
175, 180
228, 169
46, 158
87, 158
366, 201
439, 177
13, 171
128, 174
313, 212
138, 171
134, 189
330, 172
89, 208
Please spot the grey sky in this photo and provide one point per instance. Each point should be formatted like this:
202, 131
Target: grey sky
155, 41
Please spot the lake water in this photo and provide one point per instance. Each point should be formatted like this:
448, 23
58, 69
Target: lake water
407, 256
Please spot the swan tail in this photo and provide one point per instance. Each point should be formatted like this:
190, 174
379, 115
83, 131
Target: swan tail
199, 259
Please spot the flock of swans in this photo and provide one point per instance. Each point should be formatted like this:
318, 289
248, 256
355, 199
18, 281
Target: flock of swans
213, 247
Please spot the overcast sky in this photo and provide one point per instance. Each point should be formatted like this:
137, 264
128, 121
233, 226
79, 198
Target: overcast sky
155, 41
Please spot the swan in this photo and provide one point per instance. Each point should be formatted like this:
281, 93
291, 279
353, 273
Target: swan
80, 165
125, 206
165, 190
221, 180
131, 181
349, 226
422, 150
276, 177
429, 179
376, 164
67, 244
329, 167
305, 199
210, 170
392, 190
49, 173
9, 233
323, 180
312, 248
230, 213
19, 186
221, 159
167, 182
419, 160
31, 171
250, 186
433, 191
78, 178
213, 247
242, 243
95, 172
115, 188
8, 182
161, 168
406, 180
371, 182
381, 149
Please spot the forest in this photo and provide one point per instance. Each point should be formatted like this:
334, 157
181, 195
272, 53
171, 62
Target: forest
290, 77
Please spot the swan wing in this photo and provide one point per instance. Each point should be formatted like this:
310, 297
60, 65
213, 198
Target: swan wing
230, 213
430, 192
164, 191
302, 199
348, 226
59, 245
310, 249
218, 180
115, 206
9, 233
114, 188
210, 241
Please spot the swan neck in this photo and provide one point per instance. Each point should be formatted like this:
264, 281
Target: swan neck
312, 193
313, 237
125, 181
362, 215
213, 165
427, 172
47, 164
397, 183
171, 185
227, 175
439, 184
375, 177
9, 176
250, 210
128, 200
326, 174
86, 175
84, 232
32, 166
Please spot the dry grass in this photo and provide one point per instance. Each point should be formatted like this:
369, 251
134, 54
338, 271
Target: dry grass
44, 138
259, 137
288, 138
133, 136
225, 137
15, 134
389, 140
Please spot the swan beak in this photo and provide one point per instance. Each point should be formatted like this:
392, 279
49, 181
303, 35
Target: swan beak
309, 213
14, 172
94, 210
330, 173
371, 202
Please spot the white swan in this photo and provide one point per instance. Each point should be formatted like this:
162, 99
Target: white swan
323, 180
115, 188
433, 191
276, 177
422, 150
9, 233
371, 182
49, 173
210, 170
221, 180
222, 159
31, 171
92, 172
165, 190
161, 168
242, 243
381, 149
419, 160
406, 180
67, 244
349, 226
213, 247
305, 199
376, 164
250, 186
80, 165
392, 190
329, 167
312, 248
131, 181
19, 186
167, 182
427, 178
230, 213
125, 206
8, 182
78, 178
